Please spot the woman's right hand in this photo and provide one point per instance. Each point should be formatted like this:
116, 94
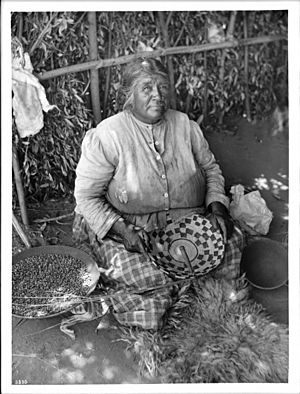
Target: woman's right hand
134, 238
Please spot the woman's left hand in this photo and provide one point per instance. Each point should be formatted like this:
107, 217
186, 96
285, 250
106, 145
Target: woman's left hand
221, 219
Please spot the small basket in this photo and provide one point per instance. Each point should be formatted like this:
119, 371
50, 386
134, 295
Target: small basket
203, 244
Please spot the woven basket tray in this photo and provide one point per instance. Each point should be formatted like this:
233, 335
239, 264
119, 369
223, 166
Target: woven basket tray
86, 260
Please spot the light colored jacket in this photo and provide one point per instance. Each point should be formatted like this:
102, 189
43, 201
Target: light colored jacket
140, 172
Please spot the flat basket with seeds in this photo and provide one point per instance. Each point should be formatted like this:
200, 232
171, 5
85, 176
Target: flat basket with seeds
50, 280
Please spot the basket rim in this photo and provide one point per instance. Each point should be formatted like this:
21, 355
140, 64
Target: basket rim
278, 274
48, 316
55, 249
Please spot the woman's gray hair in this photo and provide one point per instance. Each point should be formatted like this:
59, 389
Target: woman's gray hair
133, 72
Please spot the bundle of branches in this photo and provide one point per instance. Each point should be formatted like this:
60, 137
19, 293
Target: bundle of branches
218, 335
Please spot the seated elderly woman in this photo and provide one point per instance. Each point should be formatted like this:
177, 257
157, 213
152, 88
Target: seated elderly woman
141, 172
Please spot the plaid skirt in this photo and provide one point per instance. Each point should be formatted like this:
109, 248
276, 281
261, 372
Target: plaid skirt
136, 274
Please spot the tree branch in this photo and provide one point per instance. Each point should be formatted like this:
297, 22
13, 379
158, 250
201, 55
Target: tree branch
164, 30
43, 32
229, 36
44, 220
156, 53
20, 26
93, 52
19, 185
107, 80
246, 71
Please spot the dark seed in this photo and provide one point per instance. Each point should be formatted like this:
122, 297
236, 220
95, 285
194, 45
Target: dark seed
43, 285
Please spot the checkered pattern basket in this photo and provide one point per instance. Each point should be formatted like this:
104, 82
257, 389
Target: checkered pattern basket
203, 244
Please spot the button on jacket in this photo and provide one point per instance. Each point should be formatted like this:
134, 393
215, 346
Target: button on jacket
140, 171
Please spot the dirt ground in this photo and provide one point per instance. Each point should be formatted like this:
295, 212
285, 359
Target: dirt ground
256, 159
43, 355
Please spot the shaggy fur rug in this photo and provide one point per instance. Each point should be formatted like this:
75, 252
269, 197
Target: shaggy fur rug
213, 335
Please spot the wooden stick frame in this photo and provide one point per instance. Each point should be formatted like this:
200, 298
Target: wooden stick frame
180, 50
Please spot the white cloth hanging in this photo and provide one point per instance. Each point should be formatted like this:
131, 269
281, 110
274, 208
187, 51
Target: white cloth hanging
29, 100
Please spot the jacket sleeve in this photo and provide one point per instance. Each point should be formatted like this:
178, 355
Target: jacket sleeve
214, 179
94, 171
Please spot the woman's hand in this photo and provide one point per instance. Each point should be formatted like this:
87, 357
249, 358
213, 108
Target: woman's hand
134, 238
221, 219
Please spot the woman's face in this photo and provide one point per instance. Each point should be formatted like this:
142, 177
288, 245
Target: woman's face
150, 98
